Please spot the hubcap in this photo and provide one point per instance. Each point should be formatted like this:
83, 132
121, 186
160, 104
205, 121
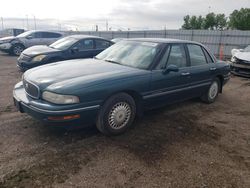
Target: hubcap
119, 115
213, 90
18, 50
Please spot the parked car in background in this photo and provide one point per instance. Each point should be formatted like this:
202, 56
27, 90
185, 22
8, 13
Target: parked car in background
15, 45
11, 32
127, 78
71, 47
115, 40
240, 61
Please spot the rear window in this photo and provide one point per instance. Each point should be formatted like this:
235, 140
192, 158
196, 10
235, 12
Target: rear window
196, 54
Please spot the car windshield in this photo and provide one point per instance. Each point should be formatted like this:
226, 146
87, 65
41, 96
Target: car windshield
247, 49
130, 53
64, 43
25, 34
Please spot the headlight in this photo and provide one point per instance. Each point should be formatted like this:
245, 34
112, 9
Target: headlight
59, 99
233, 59
38, 58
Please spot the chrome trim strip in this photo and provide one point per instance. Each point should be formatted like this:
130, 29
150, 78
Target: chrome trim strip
173, 91
60, 111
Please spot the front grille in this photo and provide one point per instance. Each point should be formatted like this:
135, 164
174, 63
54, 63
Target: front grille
24, 57
31, 89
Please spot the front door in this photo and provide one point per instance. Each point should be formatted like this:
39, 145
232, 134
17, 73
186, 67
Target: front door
169, 87
82, 49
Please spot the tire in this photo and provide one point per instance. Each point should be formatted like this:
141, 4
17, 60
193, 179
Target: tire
17, 49
213, 91
116, 115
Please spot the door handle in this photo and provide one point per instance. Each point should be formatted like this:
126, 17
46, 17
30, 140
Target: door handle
212, 69
185, 73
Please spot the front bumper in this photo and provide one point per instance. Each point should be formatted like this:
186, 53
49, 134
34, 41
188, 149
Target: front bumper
240, 69
5, 46
51, 113
25, 65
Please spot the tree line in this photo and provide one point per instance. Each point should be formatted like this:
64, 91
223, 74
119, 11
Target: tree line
238, 19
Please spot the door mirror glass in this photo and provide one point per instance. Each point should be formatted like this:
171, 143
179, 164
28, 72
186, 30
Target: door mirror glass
171, 68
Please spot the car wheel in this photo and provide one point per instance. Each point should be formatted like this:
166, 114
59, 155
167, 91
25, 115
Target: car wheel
213, 91
116, 115
17, 49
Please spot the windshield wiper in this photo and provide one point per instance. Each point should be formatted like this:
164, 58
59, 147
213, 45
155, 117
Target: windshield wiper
111, 61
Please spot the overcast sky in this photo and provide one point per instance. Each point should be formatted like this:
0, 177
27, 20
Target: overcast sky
120, 14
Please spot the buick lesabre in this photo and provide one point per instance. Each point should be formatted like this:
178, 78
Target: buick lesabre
121, 82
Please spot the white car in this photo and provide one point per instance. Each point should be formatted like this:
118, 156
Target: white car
240, 61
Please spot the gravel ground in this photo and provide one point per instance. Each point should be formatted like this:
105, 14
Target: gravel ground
190, 144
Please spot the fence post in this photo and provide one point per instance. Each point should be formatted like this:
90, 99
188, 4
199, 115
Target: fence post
192, 35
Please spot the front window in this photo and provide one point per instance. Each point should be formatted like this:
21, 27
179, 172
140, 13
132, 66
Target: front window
64, 43
130, 53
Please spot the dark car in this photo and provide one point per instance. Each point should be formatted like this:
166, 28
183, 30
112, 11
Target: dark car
16, 44
122, 81
71, 47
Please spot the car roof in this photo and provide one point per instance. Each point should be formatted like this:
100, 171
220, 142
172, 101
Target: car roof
43, 31
162, 40
85, 36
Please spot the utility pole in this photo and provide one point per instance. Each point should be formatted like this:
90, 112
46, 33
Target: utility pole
34, 21
2, 23
107, 25
27, 22
209, 9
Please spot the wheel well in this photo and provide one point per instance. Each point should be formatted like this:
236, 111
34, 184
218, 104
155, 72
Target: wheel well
137, 98
20, 44
220, 77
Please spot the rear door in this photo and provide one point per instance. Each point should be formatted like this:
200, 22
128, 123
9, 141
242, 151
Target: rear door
172, 86
200, 70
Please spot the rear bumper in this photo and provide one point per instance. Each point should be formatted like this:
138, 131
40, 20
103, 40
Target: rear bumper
53, 114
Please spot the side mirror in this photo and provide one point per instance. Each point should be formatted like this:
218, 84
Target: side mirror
74, 49
170, 68
29, 37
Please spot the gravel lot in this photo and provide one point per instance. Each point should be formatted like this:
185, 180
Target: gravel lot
190, 144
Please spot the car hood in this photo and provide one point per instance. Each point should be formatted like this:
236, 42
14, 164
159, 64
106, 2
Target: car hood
243, 56
39, 49
78, 73
6, 39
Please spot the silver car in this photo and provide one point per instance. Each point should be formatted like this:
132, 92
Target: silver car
15, 45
